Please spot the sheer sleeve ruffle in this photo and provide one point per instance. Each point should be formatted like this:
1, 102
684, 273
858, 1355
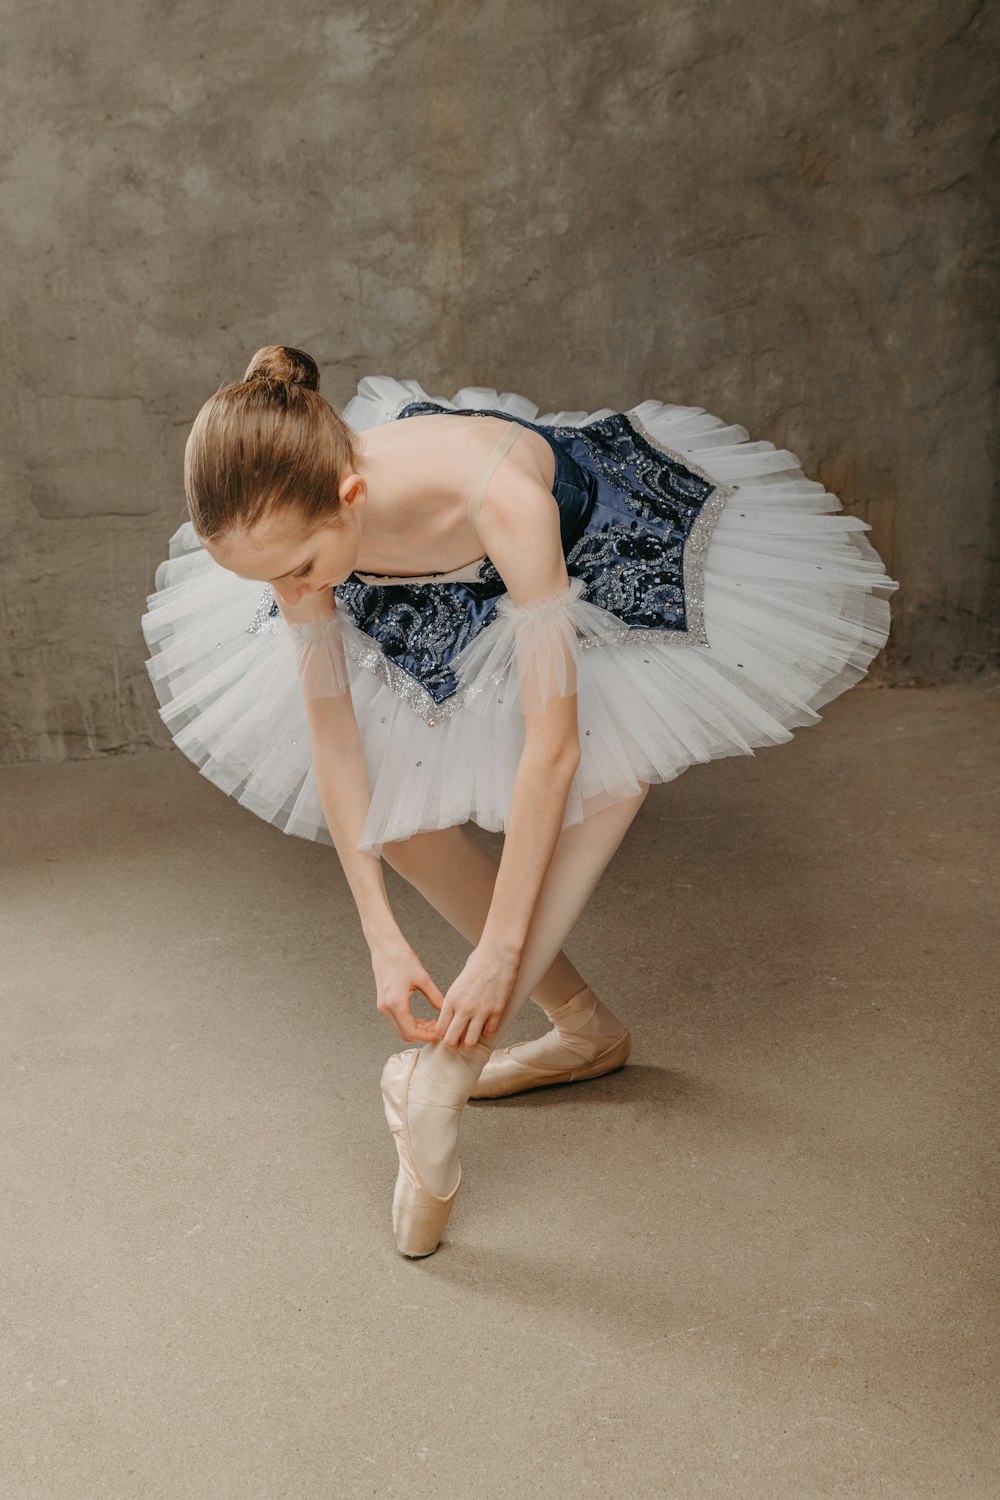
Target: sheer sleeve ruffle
318, 646
530, 652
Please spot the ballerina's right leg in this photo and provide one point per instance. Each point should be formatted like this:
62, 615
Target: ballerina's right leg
445, 1077
457, 878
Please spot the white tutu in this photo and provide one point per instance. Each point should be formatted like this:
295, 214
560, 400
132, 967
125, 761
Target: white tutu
795, 609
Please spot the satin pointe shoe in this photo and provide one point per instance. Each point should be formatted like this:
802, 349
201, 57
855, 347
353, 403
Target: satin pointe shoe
586, 1041
418, 1215
504, 1074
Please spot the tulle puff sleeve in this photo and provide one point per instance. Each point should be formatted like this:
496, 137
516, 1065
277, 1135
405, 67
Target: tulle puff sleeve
531, 652
318, 646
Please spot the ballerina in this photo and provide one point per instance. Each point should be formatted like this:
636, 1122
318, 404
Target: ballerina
470, 613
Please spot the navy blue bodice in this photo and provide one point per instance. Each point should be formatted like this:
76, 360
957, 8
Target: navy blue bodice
635, 521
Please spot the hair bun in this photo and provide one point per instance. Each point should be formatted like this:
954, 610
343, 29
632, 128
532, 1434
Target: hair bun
290, 366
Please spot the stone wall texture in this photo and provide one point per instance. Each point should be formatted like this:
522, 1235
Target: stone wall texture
780, 212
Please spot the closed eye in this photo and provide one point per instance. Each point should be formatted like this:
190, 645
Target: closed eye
305, 571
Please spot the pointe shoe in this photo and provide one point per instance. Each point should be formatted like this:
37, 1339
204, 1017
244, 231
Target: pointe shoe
504, 1074
418, 1215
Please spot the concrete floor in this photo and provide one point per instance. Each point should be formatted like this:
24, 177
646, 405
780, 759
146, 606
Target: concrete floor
760, 1261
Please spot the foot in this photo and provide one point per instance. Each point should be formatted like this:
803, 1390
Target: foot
586, 1041
424, 1091
419, 1215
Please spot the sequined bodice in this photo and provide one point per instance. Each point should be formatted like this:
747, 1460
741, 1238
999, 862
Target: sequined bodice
635, 521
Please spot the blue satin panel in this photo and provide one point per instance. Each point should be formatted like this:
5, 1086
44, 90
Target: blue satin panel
626, 510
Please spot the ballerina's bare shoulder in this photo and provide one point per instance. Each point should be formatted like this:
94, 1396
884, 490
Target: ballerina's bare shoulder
424, 470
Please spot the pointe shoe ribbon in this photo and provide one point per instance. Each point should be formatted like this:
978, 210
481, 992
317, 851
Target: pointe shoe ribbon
419, 1216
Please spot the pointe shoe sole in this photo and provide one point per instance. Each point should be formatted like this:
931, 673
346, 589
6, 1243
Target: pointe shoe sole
419, 1216
504, 1075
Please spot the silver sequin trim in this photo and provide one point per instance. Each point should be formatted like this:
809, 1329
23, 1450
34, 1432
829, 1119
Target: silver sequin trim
695, 548
260, 623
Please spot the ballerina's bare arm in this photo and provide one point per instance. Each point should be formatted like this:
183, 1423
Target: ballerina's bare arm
519, 530
342, 783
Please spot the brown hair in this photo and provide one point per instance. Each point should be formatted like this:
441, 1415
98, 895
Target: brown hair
267, 440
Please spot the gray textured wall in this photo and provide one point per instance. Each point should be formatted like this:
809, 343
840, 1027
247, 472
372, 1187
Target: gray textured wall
777, 211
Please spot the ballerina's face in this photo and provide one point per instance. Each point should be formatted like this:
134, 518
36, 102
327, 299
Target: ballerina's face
294, 559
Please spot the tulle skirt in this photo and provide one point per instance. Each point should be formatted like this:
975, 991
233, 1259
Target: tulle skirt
795, 608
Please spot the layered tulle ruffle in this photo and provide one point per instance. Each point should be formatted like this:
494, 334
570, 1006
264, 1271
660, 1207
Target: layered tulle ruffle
795, 610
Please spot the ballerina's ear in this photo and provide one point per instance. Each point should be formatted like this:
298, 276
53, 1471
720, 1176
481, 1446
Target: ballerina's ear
318, 646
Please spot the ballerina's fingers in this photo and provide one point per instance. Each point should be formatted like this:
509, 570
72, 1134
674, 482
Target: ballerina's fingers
482, 1029
449, 1025
394, 1002
464, 1024
410, 1027
426, 1031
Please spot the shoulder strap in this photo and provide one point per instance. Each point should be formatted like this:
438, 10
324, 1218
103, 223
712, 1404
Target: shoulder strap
507, 440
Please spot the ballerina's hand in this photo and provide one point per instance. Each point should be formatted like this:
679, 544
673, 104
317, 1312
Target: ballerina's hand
398, 972
474, 1005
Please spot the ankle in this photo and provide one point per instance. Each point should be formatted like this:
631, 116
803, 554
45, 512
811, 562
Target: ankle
446, 1074
440, 1085
583, 1014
